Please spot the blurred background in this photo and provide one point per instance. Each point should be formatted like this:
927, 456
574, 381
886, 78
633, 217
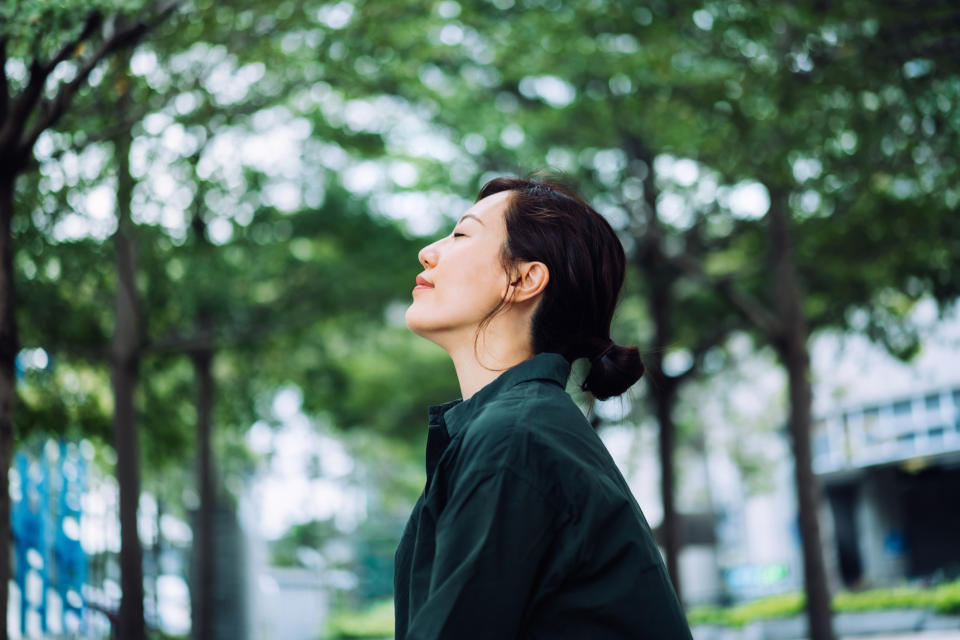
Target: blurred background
213, 415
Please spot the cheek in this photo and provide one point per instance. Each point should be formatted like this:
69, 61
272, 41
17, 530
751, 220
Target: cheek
471, 297
475, 278
488, 275
478, 284
490, 288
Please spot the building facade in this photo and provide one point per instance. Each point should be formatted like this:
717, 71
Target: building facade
890, 473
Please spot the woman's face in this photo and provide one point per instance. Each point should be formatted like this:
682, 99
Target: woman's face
463, 279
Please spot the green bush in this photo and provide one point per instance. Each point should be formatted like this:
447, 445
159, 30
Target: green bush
375, 621
779, 606
944, 598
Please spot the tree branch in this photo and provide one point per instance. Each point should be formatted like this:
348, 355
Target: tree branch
125, 35
16, 118
104, 135
90, 353
751, 309
93, 21
4, 85
714, 339
16, 115
53, 109
230, 113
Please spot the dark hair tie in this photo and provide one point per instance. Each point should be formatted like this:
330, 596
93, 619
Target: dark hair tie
595, 359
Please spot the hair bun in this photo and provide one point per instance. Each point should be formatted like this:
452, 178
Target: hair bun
612, 371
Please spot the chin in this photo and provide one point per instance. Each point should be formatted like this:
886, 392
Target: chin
414, 323
427, 329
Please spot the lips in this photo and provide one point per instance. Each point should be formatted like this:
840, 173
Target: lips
423, 283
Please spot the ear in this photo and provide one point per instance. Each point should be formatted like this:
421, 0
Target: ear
529, 281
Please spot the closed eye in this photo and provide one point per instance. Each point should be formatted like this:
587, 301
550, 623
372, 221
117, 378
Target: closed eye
459, 235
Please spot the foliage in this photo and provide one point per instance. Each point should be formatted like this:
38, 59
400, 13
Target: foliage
943, 598
374, 621
153, 634
313, 535
770, 607
37, 28
797, 98
389, 473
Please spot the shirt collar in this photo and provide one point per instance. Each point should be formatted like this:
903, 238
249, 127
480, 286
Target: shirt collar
543, 366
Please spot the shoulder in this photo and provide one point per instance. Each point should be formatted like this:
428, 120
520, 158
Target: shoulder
528, 412
536, 432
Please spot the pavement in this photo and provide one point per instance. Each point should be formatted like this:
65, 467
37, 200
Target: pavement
919, 635
745, 634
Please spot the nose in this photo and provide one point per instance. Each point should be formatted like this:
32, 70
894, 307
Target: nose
428, 256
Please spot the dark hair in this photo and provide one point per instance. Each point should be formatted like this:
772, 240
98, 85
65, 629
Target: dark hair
547, 222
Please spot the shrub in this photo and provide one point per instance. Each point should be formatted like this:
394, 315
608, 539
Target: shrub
943, 598
375, 621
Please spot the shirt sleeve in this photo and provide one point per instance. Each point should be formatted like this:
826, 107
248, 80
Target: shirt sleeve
491, 541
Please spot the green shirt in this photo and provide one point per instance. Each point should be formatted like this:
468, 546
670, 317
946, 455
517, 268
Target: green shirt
525, 528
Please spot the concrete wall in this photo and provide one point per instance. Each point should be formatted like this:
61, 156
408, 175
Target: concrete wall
879, 523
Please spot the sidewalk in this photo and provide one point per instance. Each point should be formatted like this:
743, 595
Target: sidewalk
920, 635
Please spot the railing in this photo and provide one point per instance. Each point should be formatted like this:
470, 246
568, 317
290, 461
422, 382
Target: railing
905, 428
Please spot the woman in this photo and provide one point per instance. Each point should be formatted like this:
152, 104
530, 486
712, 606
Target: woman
525, 528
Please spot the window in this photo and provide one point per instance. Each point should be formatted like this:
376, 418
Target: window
932, 402
902, 408
821, 443
871, 416
905, 438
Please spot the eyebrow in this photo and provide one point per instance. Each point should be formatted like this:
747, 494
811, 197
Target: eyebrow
470, 215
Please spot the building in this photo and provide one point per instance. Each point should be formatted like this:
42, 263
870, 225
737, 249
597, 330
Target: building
890, 473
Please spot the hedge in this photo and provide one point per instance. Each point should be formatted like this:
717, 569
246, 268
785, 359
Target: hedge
944, 598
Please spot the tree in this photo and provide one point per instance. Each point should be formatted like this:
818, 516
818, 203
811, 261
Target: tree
26, 111
127, 346
758, 96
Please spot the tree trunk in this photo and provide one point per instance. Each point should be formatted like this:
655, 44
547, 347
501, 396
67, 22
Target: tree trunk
664, 394
157, 553
670, 528
663, 391
792, 349
9, 346
202, 591
126, 363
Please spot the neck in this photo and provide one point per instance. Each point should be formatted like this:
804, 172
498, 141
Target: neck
478, 368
